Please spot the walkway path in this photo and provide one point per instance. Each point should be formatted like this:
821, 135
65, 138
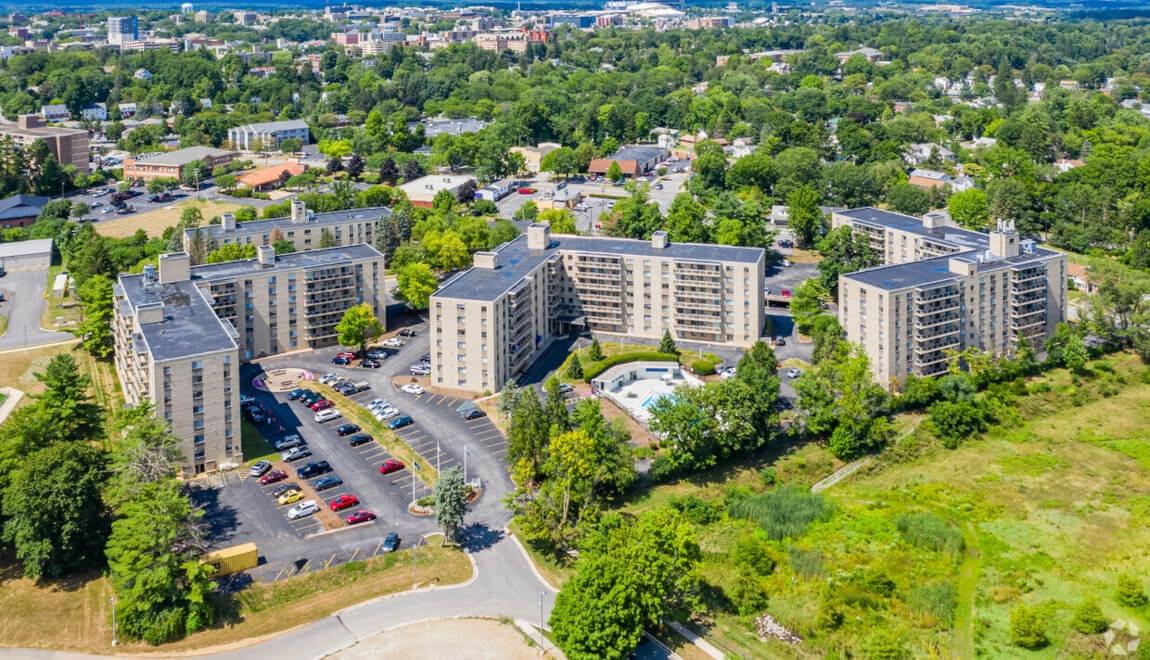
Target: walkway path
12, 398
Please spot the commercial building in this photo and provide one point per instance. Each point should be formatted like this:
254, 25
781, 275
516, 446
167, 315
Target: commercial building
422, 191
182, 332
268, 134
171, 164
20, 210
533, 156
942, 288
68, 145
303, 228
121, 29
635, 160
490, 322
270, 177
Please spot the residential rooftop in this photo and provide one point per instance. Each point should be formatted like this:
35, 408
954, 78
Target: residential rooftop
281, 125
291, 261
190, 327
516, 261
879, 218
937, 269
285, 222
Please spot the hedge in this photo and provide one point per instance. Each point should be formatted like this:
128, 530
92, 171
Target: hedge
593, 369
703, 367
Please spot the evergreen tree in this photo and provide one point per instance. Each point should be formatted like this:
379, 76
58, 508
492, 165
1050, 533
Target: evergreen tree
595, 352
450, 502
667, 344
575, 368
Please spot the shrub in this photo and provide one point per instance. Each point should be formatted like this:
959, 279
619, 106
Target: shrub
748, 594
595, 352
702, 367
784, 512
878, 582
1026, 629
662, 469
751, 554
769, 477
639, 356
884, 645
1130, 591
697, 510
936, 599
805, 563
926, 530
1089, 619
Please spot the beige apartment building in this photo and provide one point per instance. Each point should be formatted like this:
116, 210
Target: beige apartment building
303, 228
181, 334
943, 289
68, 145
490, 322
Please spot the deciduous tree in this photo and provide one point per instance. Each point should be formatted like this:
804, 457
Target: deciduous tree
359, 327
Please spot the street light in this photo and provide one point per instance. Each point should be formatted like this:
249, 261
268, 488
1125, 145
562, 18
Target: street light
542, 638
113, 599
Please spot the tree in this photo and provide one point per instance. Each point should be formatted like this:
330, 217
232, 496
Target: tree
1130, 591
65, 399
562, 221
555, 407
388, 172
844, 252
805, 219
667, 344
1089, 619
710, 164
561, 161
95, 329
758, 370
56, 519
969, 209
415, 283
686, 220
595, 351
1026, 627
291, 145
634, 216
226, 182
230, 252
334, 164
359, 327
908, 198
327, 239
355, 166
956, 421
630, 576
809, 301
528, 212
838, 398
614, 172
575, 368
450, 502
528, 431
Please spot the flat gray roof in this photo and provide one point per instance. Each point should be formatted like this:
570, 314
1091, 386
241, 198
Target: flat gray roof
285, 223
35, 247
190, 326
937, 269
308, 259
638, 152
516, 261
282, 125
182, 156
962, 238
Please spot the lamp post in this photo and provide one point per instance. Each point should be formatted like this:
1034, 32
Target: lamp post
113, 600
542, 638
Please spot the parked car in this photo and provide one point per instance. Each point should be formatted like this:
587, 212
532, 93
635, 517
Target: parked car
347, 354
346, 429
384, 414
328, 379
413, 388
295, 394
302, 510
391, 542
344, 388
727, 373
407, 332
400, 422
361, 517
658, 186
295, 453
370, 364
288, 442
420, 370
322, 404
376, 403
779, 341
425, 358
328, 482
359, 439
394, 342
341, 361
260, 469
327, 415
391, 465
283, 489
290, 497
312, 470
345, 501
377, 354
473, 413
273, 476
526, 191
309, 397
566, 388
794, 373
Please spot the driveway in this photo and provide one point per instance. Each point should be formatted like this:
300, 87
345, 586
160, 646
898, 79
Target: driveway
24, 303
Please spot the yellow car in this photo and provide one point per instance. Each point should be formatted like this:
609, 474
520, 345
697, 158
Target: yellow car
291, 497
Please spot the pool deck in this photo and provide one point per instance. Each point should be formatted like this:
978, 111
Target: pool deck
647, 390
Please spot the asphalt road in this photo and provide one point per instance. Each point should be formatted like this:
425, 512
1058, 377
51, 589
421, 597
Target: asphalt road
24, 303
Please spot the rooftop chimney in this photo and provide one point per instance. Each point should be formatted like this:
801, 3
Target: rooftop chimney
298, 212
228, 221
29, 121
150, 313
1004, 240
149, 274
538, 236
488, 260
266, 254
175, 267
659, 240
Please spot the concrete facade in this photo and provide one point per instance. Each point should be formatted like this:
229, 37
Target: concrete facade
303, 228
269, 135
171, 164
944, 289
490, 322
68, 145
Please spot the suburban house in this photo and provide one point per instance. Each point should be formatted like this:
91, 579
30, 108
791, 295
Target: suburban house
54, 113
934, 179
1079, 276
634, 160
20, 210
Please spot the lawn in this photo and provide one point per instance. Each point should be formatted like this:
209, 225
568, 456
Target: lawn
60, 312
609, 349
154, 222
18, 368
1045, 509
254, 446
79, 609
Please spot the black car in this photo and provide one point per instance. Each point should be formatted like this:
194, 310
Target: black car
426, 357
309, 397
347, 429
391, 542
407, 332
473, 413
313, 469
283, 489
359, 439
297, 394
324, 483
370, 364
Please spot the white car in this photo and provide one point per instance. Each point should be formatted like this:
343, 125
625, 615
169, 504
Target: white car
327, 415
794, 373
328, 379
413, 388
386, 414
302, 510
375, 403
394, 342
420, 370
727, 373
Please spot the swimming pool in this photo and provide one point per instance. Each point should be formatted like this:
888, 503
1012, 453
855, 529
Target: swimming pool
650, 400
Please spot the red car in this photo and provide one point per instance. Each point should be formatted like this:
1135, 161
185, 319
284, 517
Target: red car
359, 517
345, 501
322, 404
391, 465
526, 191
346, 354
273, 476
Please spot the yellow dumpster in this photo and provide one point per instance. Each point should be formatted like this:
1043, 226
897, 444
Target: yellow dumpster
233, 560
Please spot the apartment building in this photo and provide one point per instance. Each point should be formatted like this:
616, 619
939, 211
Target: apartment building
943, 289
490, 322
182, 332
122, 29
68, 145
171, 164
269, 134
303, 228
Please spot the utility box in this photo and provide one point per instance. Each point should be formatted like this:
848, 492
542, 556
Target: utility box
232, 560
